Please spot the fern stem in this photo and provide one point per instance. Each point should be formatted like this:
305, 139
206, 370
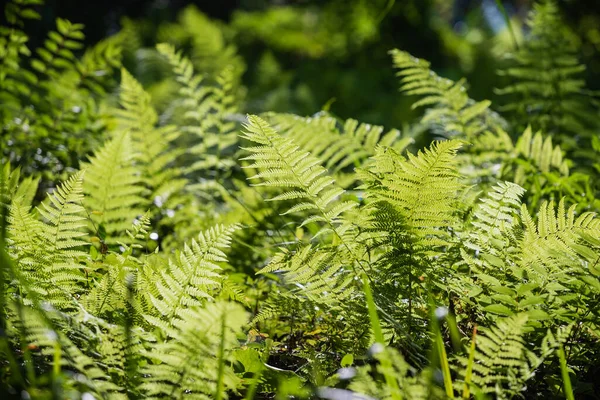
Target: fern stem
565, 374
508, 24
469, 372
390, 380
221, 370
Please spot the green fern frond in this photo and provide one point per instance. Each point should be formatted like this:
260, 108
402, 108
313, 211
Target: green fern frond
503, 364
191, 277
195, 361
283, 165
546, 78
112, 187
65, 218
338, 146
204, 108
155, 150
452, 107
421, 188
496, 213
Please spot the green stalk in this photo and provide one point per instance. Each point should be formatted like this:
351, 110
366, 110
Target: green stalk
469, 374
565, 374
221, 371
390, 380
508, 24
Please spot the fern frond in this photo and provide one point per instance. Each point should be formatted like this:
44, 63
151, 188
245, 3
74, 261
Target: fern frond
546, 78
422, 188
65, 218
155, 150
190, 363
452, 108
503, 364
339, 147
191, 277
283, 165
112, 187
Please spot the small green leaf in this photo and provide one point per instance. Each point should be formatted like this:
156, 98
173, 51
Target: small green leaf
499, 309
347, 360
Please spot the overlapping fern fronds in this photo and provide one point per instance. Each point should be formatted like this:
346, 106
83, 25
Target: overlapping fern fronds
452, 108
191, 277
196, 360
204, 108
339, 147
546, 87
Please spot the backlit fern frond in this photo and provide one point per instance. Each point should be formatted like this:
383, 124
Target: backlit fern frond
559, 239
204, 108
281, 164
495, 214
191, 277
112, 187
195, 362
451, 106
65, 218
503, 364
545, 77
338, 146
422, 189
541, 153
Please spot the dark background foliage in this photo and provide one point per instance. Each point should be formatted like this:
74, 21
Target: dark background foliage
453, 35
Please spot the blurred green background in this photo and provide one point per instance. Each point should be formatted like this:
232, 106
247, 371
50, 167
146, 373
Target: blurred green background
301, 56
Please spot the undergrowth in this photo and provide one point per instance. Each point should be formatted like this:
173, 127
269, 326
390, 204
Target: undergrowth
159, 243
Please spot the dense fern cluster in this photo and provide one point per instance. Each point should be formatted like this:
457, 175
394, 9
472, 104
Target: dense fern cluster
177, 248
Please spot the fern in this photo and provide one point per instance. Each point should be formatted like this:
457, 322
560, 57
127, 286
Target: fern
283, 165
545, 78
113, 189
205, 108
339, 147
191, 277
194, 362
454, 110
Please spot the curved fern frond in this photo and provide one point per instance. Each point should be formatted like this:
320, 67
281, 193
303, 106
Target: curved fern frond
191, 277
338, 146
112, 187
282, 164
452, 108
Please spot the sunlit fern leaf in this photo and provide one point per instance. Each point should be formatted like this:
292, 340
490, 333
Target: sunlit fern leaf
112, 187
559, 239
65, 218
452, 107
546, 78
338, 146
195, 361
421, 188
192, 276
542, 154
282, 164
503, 363
495, 214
